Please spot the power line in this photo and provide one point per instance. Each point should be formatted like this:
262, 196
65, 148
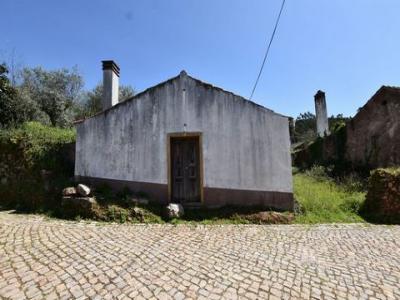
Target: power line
269, 46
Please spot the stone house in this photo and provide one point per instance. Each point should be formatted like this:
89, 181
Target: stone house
373, 135
187, 141
369, 140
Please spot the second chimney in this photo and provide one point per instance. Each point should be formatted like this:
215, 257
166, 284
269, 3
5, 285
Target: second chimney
110, 83
321, 114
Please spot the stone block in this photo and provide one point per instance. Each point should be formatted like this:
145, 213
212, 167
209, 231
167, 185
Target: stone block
69, 191
174, 210
83, 190
78, 206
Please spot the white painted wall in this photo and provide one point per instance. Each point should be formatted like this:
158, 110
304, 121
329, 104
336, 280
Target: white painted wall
110, 88
245, 146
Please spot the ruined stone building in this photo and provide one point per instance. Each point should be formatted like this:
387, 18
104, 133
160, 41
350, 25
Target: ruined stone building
187, 141
373, 135
371, 139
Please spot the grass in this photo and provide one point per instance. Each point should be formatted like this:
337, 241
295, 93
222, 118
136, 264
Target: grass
323, 200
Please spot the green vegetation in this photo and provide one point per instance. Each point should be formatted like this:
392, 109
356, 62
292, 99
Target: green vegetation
323, 200
51, 97
328, 151
153, 213
10, 108
91, 102
125, 206
382, 203
37, 143
305, 130
34, 166
234, 215
111, 212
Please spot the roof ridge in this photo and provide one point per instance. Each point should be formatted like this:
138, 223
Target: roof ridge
383, 88
181, 74
236, 95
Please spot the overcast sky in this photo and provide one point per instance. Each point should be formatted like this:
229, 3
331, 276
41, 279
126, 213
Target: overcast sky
348, 48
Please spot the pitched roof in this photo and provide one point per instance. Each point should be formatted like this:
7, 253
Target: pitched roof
182, 73
382, 90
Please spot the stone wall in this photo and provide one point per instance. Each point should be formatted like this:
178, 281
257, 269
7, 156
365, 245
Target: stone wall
369, 140
383, 198
12, 165
329, 150
373, 135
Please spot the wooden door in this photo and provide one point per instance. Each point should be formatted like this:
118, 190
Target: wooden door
185, 170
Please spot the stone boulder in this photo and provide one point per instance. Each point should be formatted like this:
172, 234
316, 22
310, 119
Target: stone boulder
138, 214
83, 190
174, 210
78, 206
69, 191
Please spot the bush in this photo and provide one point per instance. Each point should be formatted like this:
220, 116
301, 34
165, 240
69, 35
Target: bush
39, 144
319, 173
382, 203
34, 165
117, 214
352, 182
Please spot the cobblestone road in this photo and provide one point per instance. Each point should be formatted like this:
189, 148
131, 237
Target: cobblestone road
54, 259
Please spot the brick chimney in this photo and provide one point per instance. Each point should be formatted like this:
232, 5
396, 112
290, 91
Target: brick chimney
110, 83
321, 113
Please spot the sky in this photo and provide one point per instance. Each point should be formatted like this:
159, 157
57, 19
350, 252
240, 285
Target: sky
347, 48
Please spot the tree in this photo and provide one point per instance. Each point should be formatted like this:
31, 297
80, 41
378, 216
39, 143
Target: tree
54, 93
52, 97
11, 110
305, 127
336, 122
91, 102
12, 60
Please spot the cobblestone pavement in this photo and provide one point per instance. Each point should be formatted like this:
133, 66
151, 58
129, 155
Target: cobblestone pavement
50, 259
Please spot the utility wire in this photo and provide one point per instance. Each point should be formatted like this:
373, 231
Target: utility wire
269, 46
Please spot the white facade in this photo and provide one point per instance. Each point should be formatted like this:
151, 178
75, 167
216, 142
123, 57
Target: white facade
244, 146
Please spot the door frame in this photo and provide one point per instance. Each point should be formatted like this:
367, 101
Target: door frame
197, 135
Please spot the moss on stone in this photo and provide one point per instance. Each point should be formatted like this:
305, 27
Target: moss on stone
382, 203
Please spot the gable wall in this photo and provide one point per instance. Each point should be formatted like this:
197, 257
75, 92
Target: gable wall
245, 146
373, 136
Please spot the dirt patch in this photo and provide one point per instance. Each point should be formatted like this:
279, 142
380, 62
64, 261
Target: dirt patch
270, 217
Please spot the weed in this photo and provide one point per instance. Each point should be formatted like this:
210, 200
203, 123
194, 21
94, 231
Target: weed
324, 201
319, 173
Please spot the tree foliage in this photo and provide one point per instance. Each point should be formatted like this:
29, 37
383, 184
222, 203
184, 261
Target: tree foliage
51, 97
336, 122
91, 101
52, 93
306, 126
11, 110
